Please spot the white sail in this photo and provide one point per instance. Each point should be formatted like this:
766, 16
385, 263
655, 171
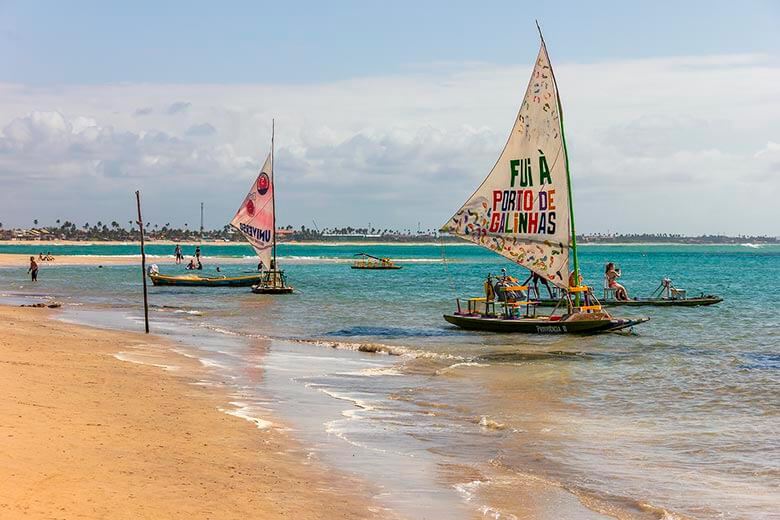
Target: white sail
521, 210
255, 218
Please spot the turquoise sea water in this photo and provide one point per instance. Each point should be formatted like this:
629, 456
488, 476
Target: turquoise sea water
679, 418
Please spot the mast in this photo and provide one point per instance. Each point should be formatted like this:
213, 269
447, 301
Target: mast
273, 200
576, 265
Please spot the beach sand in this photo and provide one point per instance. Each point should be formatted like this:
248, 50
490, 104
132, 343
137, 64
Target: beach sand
85, 435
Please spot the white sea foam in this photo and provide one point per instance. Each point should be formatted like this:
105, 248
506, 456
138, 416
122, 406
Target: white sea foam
490, 424
460, 365
210, 363
244, 411
134, 357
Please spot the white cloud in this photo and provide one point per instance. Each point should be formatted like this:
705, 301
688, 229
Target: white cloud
673, 144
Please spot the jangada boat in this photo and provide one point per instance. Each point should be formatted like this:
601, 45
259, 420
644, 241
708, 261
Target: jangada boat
256, 220
194, 280
666, 295
367, 261
523, 211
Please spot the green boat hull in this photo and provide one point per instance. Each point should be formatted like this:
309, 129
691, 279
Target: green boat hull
205, 281
540, 325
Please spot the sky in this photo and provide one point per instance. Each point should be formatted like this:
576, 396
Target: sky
386, 113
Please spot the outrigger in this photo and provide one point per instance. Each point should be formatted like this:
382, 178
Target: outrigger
523, 211
367, 261
256, 220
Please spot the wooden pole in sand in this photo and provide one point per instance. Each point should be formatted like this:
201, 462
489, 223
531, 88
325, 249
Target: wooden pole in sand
143, 260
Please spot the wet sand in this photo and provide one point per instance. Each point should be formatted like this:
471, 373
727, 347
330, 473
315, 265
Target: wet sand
85, 435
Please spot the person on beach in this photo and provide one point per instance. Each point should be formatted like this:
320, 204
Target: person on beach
33, 269
612, 274
178, 254
197, 253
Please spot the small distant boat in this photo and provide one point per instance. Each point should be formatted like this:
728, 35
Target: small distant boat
195, 280
523, 211
256, 220
367, 261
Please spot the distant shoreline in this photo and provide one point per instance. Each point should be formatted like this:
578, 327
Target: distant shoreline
87, 243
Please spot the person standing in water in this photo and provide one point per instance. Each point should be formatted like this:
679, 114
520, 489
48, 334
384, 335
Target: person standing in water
178, 254
197, 253
33, 270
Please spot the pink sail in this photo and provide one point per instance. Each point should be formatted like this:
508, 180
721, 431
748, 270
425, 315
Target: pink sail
255, 218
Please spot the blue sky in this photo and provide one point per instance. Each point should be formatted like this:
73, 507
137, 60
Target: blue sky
381, 106
281, 42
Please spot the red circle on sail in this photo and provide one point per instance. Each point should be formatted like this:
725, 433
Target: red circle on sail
250, 207
263, 183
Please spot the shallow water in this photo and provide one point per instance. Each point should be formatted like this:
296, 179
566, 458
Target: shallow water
679, 418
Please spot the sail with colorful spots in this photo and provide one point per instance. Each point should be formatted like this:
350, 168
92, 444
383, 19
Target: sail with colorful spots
522, 210
255, 218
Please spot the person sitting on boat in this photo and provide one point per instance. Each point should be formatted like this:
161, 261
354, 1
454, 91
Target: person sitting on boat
260, 266
490, 293
612, 274
573, 282
501, 285
191, 265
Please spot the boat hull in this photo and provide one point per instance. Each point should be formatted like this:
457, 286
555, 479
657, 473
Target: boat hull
649, 302
261, 289
541, 325
204, 281
377, 268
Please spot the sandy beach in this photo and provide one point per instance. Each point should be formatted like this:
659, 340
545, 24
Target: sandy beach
86, 435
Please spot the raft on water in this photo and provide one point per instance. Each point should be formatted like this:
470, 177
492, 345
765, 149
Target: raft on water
367, 261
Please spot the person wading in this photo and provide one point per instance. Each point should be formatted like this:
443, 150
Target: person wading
33, 270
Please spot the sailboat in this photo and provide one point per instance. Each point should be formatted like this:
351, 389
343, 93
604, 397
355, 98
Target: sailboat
523, 211
256, 220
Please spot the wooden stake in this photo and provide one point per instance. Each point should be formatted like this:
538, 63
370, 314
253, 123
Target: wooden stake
143, 261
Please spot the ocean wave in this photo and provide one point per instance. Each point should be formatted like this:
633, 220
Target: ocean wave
377, 348
391, 332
